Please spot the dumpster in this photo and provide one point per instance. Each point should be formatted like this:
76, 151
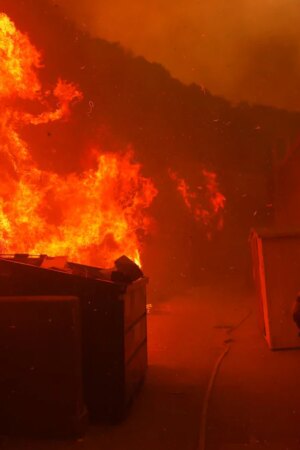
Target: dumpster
114, 328
276, 270
41, 368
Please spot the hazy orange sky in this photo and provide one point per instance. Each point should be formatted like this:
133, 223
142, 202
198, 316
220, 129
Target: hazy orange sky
240, 49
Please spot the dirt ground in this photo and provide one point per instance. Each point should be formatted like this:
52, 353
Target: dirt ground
255, 401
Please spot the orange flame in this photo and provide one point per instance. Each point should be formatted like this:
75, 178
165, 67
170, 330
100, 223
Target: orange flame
92, 217
206, 202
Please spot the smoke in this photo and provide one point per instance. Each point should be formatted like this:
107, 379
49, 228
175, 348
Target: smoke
239, 49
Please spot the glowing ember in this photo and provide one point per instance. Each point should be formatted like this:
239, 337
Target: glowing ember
92, 217
205, 202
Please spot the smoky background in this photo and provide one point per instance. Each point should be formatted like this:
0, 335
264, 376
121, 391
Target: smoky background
239, 49
170, 120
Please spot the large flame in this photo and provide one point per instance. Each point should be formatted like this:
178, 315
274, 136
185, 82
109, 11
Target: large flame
92, 217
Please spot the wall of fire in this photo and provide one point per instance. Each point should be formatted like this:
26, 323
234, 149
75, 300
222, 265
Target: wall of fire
130, 101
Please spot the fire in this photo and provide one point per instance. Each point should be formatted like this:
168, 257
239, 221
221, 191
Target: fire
19, 59
205, 202
92, 217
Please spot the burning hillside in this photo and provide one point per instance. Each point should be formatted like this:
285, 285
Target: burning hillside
94, 216
127, 100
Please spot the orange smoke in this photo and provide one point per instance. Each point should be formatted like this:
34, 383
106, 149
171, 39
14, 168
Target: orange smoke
243, 50
92, 217
205, 202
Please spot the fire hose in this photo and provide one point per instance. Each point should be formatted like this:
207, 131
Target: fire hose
204, 413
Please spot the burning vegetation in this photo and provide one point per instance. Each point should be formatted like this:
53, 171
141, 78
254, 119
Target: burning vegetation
205, 202
91, 216
99, 212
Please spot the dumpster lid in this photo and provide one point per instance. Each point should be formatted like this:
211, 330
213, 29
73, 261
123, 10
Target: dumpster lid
113, 275
275, 233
